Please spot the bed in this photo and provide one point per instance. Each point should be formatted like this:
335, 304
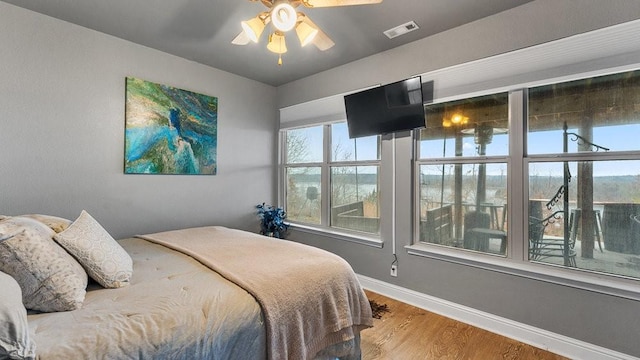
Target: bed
198, 293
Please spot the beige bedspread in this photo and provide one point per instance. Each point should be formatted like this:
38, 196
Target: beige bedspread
174, 309
310, 298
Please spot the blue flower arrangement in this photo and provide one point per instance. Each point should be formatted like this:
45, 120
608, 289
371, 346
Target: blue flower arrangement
272, 221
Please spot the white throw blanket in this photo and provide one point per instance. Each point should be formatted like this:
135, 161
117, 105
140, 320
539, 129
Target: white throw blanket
310, 297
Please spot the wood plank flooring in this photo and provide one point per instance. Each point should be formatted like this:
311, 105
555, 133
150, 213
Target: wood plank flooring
407, 333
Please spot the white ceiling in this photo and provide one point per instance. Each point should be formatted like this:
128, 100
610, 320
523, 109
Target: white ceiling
202, 30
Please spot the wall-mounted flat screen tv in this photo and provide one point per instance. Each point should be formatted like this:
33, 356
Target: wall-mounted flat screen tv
381, 110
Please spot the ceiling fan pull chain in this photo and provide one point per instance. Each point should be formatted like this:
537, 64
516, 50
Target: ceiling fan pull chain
280, 54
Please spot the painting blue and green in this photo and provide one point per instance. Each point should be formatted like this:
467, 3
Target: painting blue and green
169, 130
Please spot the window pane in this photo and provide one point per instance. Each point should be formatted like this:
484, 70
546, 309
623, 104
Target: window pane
469, 127
603, 219
359, 149
303, 194
304, 145
464, 205
355, 198
603, 110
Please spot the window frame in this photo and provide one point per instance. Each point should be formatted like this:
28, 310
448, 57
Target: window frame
324, 227
416, 243
593, 156
516, 261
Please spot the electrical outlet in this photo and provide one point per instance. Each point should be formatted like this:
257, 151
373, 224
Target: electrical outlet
394, 270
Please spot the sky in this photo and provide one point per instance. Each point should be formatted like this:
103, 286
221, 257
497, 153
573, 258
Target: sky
616, 138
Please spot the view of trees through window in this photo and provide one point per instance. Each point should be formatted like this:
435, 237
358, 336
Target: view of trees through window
463, 203
582, 156
303, 181
580, 179
352, 180
584, 176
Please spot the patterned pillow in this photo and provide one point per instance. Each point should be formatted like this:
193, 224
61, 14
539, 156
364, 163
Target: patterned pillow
56, 224
50, 279
15, 339
101, 256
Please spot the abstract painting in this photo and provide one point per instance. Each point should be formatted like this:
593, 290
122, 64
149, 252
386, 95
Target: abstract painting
169, 130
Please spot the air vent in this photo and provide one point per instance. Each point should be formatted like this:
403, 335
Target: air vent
401, 29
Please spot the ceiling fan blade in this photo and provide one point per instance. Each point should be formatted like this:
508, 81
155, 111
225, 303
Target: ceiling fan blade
322, 41
330, 3
241, 39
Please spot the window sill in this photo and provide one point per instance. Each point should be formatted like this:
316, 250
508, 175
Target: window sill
339, 235
581, 279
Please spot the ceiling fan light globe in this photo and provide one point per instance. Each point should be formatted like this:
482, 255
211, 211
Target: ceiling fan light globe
284, 16
253, 28
277, 43
306, 33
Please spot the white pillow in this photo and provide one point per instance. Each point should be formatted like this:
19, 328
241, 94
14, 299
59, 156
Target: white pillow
56, 224
15, 339
50, 279
101, 256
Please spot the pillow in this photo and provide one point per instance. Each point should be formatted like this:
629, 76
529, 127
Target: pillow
50, 279
56, 224
101, 256
15, 339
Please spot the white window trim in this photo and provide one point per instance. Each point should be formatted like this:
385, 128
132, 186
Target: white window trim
604, 51
338, 234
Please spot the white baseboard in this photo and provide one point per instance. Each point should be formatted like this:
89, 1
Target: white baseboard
558, 344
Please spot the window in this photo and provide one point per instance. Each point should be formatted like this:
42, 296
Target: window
462, 174
584, 174
304, 154
323, 160
539, 180
580, 160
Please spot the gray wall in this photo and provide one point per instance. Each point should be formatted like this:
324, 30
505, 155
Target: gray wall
62, 90
604, 320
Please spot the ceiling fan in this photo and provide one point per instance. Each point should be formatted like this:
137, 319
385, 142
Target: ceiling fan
283, 17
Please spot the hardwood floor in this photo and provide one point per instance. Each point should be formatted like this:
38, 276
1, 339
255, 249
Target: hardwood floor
407, 333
